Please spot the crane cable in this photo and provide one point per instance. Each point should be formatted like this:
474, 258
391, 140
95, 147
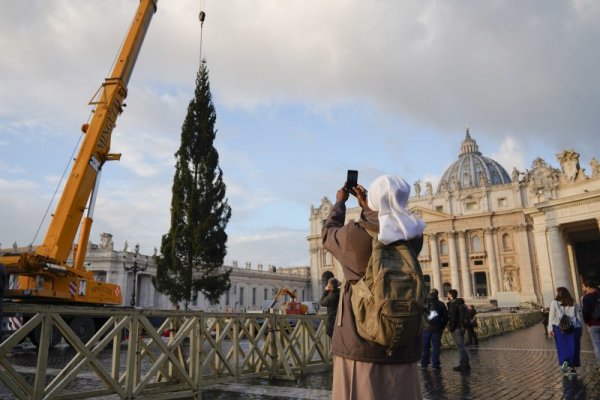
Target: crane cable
201, 17
58, 185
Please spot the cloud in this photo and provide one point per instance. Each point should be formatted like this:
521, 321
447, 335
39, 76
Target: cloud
502, 68
511, 154
272, 245
21, 210
303, 91
134, 211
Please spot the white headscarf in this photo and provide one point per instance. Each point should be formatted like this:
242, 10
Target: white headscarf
388, 195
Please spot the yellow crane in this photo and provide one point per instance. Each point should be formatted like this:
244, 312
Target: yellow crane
43, 275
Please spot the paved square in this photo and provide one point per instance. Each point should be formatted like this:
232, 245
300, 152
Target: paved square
521, 365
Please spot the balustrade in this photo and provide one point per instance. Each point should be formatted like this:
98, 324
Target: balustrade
131, 357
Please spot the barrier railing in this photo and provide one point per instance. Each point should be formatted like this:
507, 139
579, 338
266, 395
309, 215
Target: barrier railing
129, 357
133, 356
495, 324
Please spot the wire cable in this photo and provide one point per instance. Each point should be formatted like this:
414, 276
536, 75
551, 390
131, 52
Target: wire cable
56, 190
201, 17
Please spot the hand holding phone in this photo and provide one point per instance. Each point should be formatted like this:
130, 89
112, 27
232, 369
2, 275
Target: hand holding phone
351, 181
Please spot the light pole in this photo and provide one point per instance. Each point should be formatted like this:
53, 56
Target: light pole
133, 265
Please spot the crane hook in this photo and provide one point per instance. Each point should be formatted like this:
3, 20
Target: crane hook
201, 17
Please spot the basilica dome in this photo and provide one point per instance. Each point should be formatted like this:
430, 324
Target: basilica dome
472, 169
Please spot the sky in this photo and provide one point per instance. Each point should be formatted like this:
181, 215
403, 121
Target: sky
303, 91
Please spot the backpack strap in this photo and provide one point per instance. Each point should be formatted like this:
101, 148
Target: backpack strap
338, 317
398, 329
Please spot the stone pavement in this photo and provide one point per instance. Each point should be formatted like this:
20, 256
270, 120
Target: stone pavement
521, 365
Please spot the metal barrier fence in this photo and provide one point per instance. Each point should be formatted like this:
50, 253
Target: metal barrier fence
497, 324
129, 357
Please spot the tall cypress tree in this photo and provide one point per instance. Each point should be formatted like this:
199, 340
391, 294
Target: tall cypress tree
193, 250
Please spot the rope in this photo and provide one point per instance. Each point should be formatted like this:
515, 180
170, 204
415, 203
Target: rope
201, 17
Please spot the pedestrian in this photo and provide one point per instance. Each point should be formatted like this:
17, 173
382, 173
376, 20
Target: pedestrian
545, 315
435, 319
590, 309
3, 280
330, 299
472, 339
362, 369
567, 343
456, 317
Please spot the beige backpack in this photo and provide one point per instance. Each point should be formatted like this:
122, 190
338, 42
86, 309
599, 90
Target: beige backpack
388, 301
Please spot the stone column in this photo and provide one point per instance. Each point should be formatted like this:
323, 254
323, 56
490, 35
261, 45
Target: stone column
467, 286
543, 263
491, 257
524, 261
559, 261
315, 269
435, 262
151, 294
453, 261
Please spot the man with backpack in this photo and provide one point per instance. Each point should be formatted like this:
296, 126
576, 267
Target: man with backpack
458, 317
435, 319
590, 308
362, 368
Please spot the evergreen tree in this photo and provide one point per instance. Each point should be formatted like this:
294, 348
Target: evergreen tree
193, 250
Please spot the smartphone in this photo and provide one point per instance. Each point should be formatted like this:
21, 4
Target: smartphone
351, 180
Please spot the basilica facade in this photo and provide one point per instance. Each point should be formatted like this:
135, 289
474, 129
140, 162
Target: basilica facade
490, 233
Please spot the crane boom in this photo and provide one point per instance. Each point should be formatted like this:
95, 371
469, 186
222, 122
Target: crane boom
94, 151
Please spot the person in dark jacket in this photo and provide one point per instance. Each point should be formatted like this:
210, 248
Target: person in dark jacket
456, 328
545, 316
435, 319
589, 304
362, 369
472, 339
2, 285
330, 299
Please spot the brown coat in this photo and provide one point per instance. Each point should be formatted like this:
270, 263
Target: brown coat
351, 245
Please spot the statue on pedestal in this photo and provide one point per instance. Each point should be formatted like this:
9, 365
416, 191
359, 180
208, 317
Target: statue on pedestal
508, 281
106, 242
515, 174
418, 188
595, 166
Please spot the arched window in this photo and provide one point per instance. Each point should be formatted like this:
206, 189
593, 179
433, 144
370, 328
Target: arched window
443, 247
506, 242
476, 244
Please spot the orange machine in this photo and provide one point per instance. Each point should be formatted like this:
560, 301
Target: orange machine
292, 306
43, 275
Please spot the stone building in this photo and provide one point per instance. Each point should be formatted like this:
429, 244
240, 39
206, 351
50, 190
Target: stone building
489, 232
250, 286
